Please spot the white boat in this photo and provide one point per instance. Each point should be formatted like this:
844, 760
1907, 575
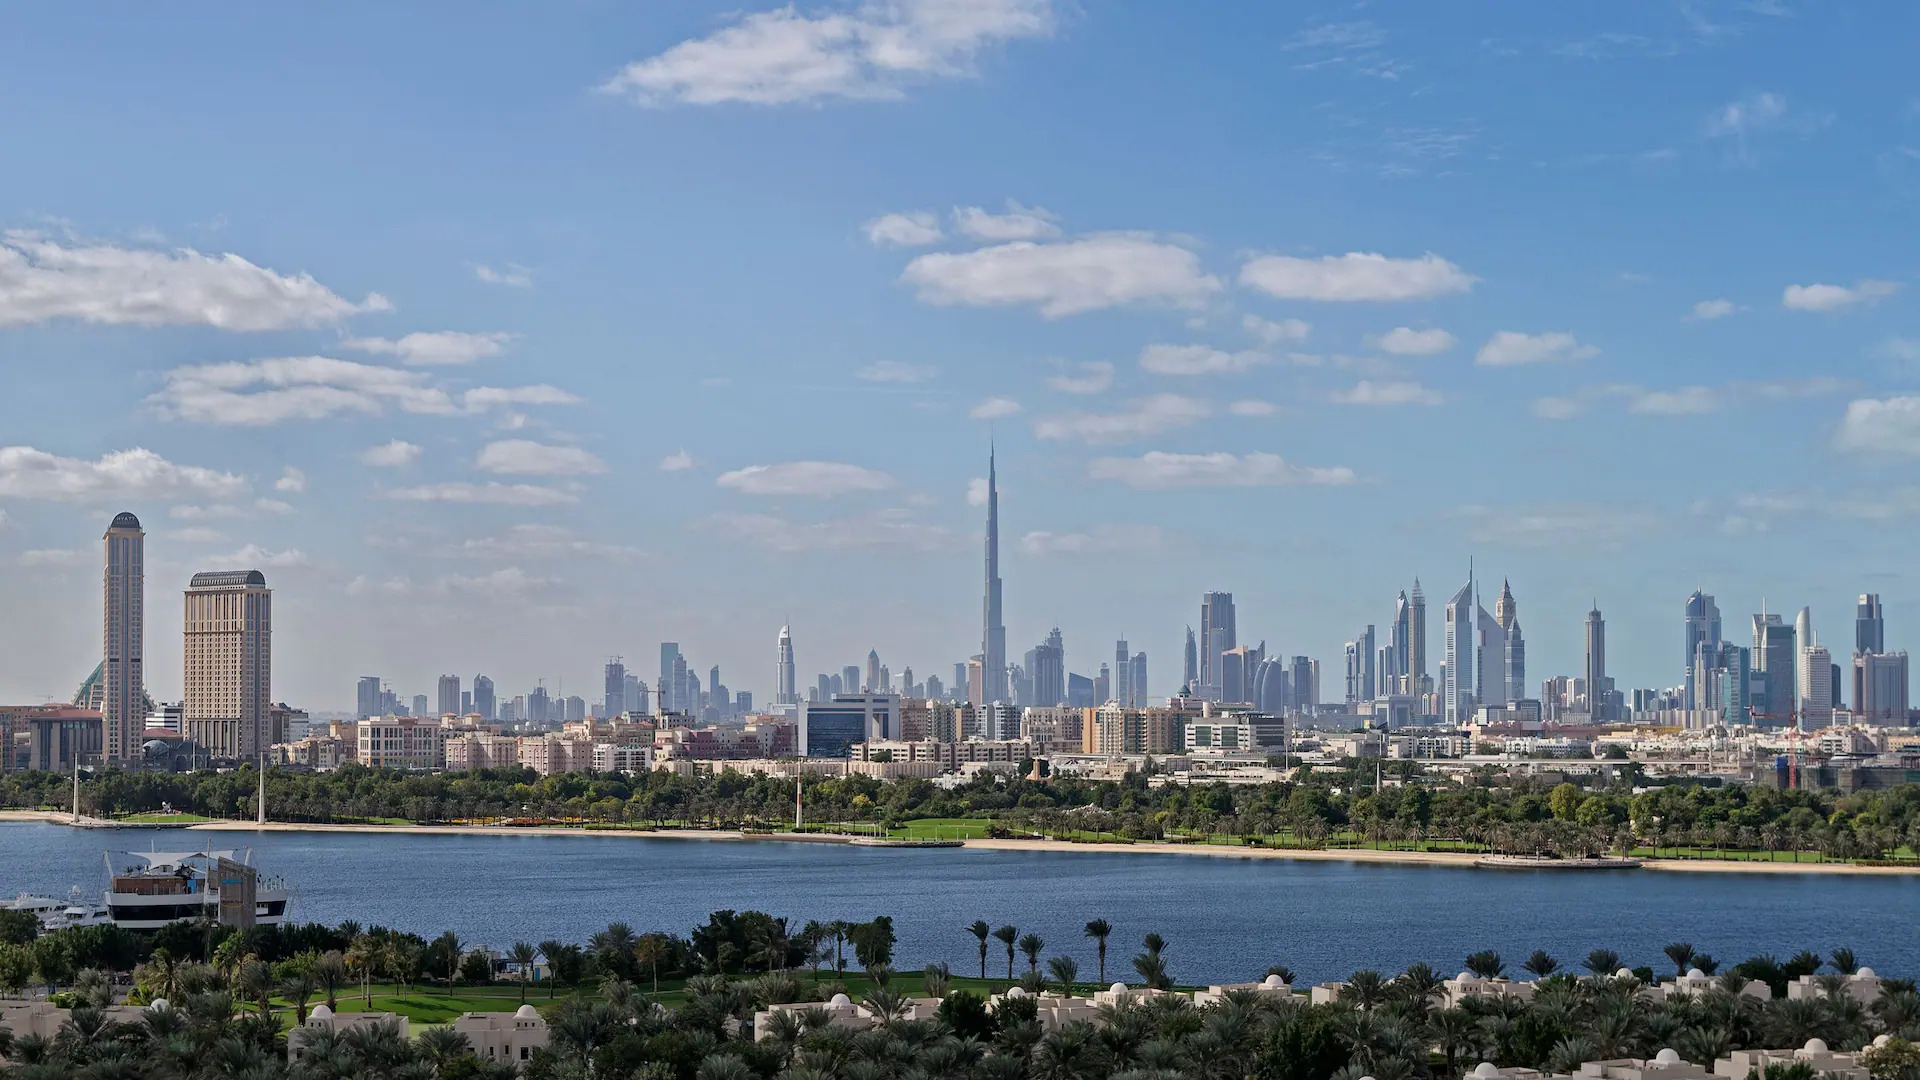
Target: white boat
54, 914
152, 889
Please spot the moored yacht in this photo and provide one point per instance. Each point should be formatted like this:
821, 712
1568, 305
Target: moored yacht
151, 889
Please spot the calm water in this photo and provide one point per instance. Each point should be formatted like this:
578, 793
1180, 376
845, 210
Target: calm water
1225, 919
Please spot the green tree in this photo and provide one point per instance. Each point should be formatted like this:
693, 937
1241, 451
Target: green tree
979, 928
1007, 935
1099, 930
1031, 945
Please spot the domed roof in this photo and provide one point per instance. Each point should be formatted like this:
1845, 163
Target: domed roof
526, 1012
1273, 982
1696, 973
1865, 973
1668, 1056
218, 578
1486, 1069
320, 1012
1016, 992
1815, 1046
839, 1001
1623, 973
159, 1005
124, 520
1466, 977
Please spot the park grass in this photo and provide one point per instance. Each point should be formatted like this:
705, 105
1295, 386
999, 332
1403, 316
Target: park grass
164, 819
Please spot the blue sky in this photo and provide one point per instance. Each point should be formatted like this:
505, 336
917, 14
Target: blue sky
508, 338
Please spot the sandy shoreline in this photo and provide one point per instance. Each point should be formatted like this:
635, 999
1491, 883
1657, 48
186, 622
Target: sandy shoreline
1457, 860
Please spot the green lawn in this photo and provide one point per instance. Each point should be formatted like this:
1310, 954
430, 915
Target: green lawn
165, 819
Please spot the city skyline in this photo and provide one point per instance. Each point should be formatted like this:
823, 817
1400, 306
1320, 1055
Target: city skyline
576, 404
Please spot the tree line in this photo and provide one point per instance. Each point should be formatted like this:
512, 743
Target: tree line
611, 1025
1490, 812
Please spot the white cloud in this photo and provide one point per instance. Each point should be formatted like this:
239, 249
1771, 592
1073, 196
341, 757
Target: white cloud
1253, 407
903, 230
1903, 352
1094, 378
196, 534
513, 275
1685, 400
1197, 360
523, 457
1558, 526
27, 473
1140, 418
815, 479
1367, 392
977, 491
994, 408
1509, 348
1406, 341
1273, 333
1355, 276
885, 530
895, 371
1824, 298
438, 347
507, 581
488, 493
227, 511
541, 542
291, 480
1099, 540
678, 461
1158, 470
1877, 427
62, 558
1713, 309
1755, 112
1064, 278
397, 454
255, 557
42, 280
258, 393
872, 51
1017, 223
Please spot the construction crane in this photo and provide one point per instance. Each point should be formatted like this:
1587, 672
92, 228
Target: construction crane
1792, 717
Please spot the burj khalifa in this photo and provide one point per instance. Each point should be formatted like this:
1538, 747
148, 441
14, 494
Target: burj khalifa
993, 636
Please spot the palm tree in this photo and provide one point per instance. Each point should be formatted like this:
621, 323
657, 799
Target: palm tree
936, 979
549, 949
1366, 989
1099, 931
1486, 964
1008, 935
1844, 961
1030, 944
521, 955
362, 956
298, 987
613, 946
330, 968
1541, 963
652, 948
1681, 953
981, 930
1603, 962
446, 953
442, 1046
1064, 969
255, 981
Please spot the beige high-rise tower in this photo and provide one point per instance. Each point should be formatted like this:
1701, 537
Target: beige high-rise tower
229, 662
123, 713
